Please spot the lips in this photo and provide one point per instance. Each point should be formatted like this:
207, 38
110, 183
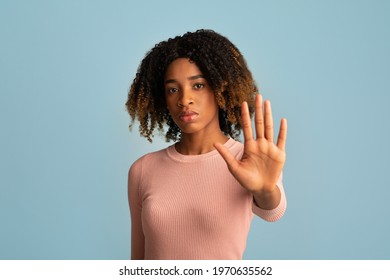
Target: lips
188, 116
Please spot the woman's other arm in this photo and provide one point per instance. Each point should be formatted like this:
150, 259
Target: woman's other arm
135, 205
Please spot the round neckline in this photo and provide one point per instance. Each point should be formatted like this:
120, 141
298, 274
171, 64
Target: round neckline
175, 155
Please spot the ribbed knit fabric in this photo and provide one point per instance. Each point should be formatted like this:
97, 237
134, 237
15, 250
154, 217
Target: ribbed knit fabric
191, 207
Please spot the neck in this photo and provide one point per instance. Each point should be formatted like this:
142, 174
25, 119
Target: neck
196, 144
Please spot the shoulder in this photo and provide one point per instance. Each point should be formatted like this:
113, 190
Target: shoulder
146, 160
142, 166
235, 147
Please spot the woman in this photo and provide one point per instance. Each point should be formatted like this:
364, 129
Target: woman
196, 198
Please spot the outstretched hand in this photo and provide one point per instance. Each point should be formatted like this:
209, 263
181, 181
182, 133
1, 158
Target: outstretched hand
262, 161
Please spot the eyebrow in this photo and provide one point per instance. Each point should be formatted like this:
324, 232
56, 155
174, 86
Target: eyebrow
189, 78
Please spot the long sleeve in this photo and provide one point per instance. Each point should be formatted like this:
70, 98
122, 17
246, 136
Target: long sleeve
274, 214
135, 204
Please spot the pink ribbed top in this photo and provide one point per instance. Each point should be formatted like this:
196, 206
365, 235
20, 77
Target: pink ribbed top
191, 207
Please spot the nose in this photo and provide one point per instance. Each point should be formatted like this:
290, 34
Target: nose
185, 99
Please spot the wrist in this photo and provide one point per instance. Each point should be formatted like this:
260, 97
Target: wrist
265, 191
267, 199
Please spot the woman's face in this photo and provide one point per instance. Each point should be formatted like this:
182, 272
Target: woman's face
190, 100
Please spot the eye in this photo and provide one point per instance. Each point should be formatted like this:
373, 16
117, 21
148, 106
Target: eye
172, 90
199, 86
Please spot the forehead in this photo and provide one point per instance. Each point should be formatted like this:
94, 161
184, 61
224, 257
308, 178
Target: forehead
182, 67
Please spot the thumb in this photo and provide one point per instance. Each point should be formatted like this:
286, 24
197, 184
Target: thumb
226, 155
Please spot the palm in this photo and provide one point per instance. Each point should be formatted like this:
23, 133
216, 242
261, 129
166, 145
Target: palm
262, 161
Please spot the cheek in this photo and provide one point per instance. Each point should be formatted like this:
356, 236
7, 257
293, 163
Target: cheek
171, 106
169, 102
212, 102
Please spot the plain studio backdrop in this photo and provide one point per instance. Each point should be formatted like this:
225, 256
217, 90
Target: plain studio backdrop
65, 70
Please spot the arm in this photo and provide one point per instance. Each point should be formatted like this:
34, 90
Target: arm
135, 205
267, 200
273, 212
260, 167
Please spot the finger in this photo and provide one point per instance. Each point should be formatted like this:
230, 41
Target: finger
227, 156
268, 122
282, 138
259, 120
246, 122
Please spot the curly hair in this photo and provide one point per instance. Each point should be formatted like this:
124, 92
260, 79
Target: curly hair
222, 65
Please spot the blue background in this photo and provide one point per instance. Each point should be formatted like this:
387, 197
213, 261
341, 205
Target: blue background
66, 67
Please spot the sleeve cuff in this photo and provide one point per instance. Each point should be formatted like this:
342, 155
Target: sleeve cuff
275, 214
